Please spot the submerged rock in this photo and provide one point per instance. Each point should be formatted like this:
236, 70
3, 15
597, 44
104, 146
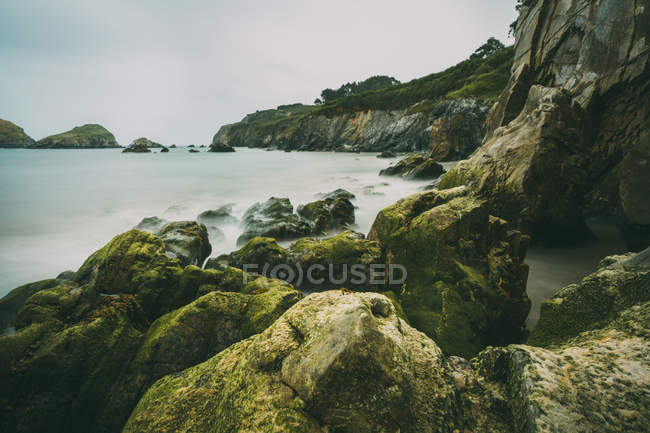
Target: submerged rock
13, 136
164, 150
415, 166
337, 193
220, 147
466, 281
273, 218
194, 151
91, 136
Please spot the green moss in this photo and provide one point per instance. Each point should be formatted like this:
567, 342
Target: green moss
86, 136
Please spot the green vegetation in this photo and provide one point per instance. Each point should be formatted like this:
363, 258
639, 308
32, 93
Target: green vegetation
86, 136
484, 76
12, 136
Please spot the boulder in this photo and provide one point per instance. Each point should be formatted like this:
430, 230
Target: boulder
466, 281
137, 148
273, 218
13, 136
386, 154
152, 224
173, 146
332, 213
220, 147
83, 352
415, 166
91, 136
260, 251
220, 215
193, 150
187, 241
333, 362
192, 334
11, 303
164, 150
337, 193
575, 107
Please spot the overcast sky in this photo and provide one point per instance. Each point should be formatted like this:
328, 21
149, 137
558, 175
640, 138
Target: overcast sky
174, 71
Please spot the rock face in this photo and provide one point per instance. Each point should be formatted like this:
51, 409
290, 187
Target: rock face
89, 136
458, 126
220, 215
152, 224
466, 280
367, 130
333, 362
416, 166
575, 107
220, 147
84, 351
13, 136
273, 218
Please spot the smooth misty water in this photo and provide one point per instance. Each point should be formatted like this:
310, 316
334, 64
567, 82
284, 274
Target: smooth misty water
58, 206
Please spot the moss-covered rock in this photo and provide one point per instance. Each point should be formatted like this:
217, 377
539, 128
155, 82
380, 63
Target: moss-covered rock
152, 224
13, 136
620, 282
466, 280
191, 335
333, 362
14, 300
259, 251
81, 137
187, 241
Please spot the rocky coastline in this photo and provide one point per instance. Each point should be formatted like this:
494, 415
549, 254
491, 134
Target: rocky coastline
150, 334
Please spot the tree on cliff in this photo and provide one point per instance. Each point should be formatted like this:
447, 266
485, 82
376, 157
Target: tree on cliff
376, 82
490, 47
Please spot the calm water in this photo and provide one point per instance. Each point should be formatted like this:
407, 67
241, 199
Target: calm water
58, 206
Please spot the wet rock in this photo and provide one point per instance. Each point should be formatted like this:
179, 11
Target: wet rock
415, 166
466, 281
152, 224
143, 141
67, 275
137, 148
194, 151
221, 147
328, 214
273, 218
387, 154
337, 193
164, 150
187, 241
220, 215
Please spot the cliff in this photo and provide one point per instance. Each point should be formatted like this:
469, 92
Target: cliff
445, 112
13, 136
568, 137
89, 136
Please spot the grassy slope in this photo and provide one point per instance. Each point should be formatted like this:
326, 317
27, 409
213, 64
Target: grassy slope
11, 134
481, 78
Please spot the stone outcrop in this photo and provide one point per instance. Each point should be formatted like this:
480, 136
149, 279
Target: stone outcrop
273, 218
84, 351
12, 136
220, 148
187, 241
466, 281
367, 130
333, 362
331, 213
91, 136
576, 109
143, 141
137, 148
